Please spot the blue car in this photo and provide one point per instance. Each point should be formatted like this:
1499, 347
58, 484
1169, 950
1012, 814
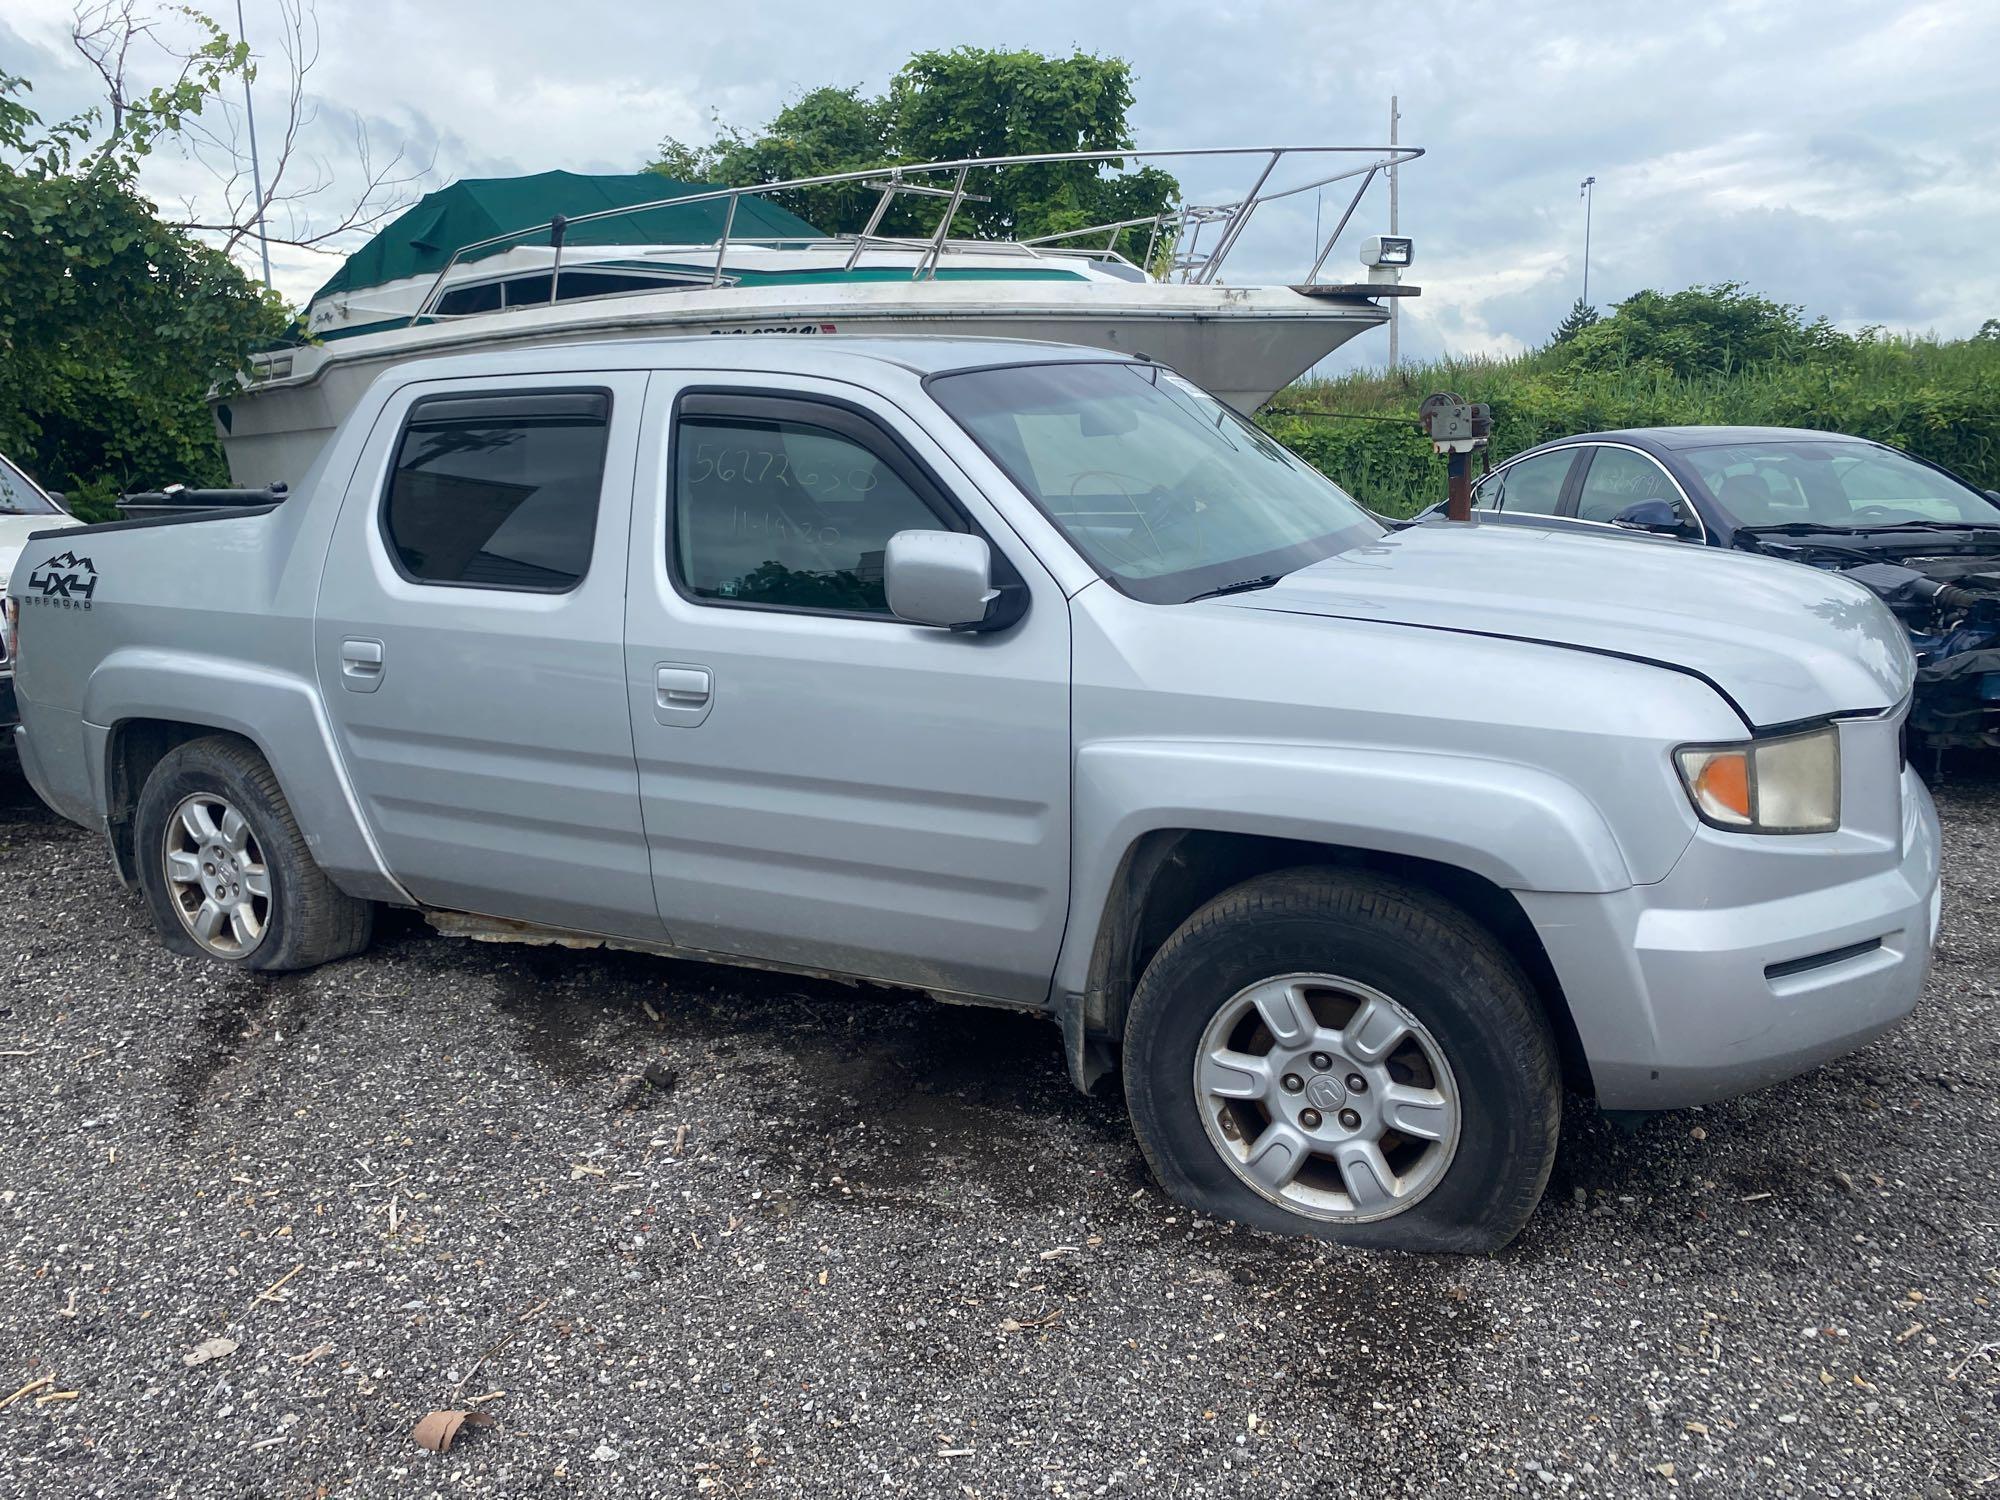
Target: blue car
1924, 540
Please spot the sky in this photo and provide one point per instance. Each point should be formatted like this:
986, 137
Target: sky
1832, 153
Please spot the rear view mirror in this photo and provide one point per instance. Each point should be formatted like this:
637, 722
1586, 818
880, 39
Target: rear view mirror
1657, 516
942, 578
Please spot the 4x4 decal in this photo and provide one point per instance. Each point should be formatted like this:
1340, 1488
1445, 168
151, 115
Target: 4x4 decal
65, 576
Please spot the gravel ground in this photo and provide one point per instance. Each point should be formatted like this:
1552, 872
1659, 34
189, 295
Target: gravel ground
701, 1230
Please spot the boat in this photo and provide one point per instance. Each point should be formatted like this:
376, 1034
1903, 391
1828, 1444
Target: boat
559, 257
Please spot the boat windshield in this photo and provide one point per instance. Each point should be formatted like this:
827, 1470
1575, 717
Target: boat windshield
1166, 491
1843, 486
21, 496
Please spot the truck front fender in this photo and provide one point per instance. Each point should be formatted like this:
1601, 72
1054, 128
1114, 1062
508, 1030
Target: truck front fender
282, 715
1519, 827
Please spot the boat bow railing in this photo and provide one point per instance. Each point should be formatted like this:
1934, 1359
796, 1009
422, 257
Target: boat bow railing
1175, 247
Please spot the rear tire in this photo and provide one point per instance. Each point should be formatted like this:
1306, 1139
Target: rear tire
225, 871
1256, 1020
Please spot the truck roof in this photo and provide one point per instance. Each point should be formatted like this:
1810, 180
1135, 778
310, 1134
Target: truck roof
837, 355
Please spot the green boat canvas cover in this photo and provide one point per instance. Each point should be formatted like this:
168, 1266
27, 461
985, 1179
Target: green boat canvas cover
420, 241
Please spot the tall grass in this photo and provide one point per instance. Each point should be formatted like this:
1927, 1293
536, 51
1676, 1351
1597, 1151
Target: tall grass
1940, 400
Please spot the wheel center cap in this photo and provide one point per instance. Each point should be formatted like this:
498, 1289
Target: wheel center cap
1326, 1092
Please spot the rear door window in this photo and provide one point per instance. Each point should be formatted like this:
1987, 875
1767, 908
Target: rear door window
498, 492
1534, 486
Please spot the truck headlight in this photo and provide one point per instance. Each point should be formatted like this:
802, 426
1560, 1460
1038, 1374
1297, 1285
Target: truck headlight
1790, 784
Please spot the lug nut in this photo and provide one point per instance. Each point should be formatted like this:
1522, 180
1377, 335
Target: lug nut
1310, 1118
1291, 1083
1350, 1119
1356, 1084
1321, 1061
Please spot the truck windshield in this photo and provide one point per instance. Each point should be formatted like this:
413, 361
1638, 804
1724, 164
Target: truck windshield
1167, 492
19, 495
1839, 485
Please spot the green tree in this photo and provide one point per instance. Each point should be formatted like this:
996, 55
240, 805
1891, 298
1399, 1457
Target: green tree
825, 131
114, 326
1580, 316
1705, 330
945, 105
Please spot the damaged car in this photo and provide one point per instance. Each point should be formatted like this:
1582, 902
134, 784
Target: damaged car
1922, 539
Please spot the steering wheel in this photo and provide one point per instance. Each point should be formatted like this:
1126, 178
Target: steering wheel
1874, 513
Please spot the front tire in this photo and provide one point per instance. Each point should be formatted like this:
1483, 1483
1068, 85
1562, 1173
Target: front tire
225, 871
1340, 1054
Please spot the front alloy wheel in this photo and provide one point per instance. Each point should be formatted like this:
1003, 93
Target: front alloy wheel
1336, 1052
1327, 1097
216, 876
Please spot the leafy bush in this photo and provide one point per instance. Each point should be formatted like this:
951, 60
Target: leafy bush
1714, 355
113, 326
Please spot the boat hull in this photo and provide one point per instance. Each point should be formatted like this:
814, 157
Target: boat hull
1243, 344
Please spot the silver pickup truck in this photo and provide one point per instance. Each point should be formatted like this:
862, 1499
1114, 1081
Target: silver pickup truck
1027, 676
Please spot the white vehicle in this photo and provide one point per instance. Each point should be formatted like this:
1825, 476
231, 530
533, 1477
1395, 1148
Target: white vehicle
498, 263
25, 508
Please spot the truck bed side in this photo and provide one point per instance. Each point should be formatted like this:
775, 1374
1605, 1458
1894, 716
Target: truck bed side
157, 630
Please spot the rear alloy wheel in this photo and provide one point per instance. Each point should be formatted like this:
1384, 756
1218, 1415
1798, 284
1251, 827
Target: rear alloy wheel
216, 874
225, 869
1337, 1053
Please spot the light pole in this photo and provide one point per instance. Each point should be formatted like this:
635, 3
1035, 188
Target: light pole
1584, 192
256, 172
1395, 303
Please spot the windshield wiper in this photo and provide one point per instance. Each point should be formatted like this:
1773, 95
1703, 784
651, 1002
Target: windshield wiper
1835, 528
1241, 586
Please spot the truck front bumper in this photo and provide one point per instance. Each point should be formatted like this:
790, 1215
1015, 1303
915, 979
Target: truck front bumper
1707, 985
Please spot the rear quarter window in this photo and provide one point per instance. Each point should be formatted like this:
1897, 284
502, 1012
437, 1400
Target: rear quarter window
498, 492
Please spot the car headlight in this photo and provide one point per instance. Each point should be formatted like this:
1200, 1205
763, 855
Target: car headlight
1789, 784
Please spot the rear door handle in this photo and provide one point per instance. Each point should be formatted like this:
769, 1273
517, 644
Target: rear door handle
360, 665
682, 693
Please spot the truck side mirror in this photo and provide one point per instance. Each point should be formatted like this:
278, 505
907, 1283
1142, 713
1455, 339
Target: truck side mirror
942, 578
1658, 516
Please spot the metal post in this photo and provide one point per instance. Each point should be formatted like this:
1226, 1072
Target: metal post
1395, 303
557, 227
1238, 222
722, 245
1340, 228
883, 194
1458, 487
256, 170
944, 228
1585, 189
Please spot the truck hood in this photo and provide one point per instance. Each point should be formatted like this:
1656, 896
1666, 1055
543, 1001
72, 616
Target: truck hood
14, 534
1783, 643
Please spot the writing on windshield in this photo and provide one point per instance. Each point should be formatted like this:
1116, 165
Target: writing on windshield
1840, 485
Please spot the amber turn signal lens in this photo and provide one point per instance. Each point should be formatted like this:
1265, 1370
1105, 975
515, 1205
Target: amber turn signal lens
1723, 785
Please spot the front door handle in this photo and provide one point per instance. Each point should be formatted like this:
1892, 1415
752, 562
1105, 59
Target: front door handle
360, 665
682, 694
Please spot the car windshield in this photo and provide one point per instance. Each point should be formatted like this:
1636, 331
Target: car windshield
20, 497
1835, 484
1166, 491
